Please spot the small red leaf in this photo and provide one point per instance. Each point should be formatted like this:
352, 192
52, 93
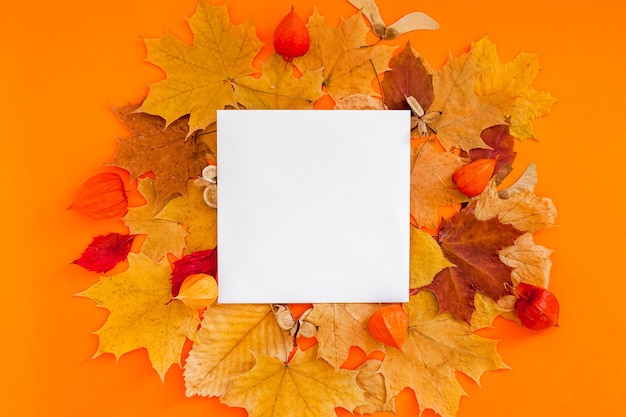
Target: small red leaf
291, 37
102, 197
200, 262
104, 252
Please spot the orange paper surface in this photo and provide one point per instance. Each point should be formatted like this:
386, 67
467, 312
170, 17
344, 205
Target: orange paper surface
63, 62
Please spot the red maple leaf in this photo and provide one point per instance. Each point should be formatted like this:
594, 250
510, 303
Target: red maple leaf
199, 262
473, 246
104, 252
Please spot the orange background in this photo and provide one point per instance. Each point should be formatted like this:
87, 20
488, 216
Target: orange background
62, 62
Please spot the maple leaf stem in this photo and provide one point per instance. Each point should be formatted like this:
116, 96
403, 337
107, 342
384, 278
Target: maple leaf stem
380, 85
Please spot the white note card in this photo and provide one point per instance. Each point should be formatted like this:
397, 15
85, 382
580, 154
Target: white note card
313, 206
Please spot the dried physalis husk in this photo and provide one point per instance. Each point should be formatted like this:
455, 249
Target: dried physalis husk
198, 291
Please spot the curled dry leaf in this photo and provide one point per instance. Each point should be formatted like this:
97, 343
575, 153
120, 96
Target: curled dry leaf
102, 197
530, 262
198, 291
407, 23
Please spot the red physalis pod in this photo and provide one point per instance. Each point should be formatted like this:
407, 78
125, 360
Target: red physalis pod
537, 308
102, 197
104, 252
291, 37
389, 325
473, 178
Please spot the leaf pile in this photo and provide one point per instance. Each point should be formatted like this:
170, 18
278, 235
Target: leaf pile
466, 254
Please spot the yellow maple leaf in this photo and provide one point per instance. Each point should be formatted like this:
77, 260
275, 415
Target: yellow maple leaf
464, 114
306, 386
192, 211
200, 76
224, 348
277, 88
514, 78
426, 258
436, 347
341, 326
348, 65
162, 236
431, 183
487, 310
143, 314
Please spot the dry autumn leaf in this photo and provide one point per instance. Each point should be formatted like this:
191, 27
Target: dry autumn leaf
409, 77
200, 76
306, 386
162, 236
359, 102
473, 246
227, 341
487, 310
372, 383
341, 326
436, 348
199, 219
464, 114
165, 152
347, 67
407, 23
277, 88
515, 79
431, 183
104, 252
523, 209
151, 320
530, 262
426, 259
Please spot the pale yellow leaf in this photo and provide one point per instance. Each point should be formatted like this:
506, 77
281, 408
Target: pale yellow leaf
348, 66
226, 342
524, 210
341, 326
199, 76
464, 114
487, 310
277, 88
306, 386
143, 314
513, 78
431, 183
359, 102
436, 348
192, 211
162, 236
531, 263
426, 258
372, 383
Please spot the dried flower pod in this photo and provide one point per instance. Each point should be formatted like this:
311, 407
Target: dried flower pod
209, 174
473, 178
210, 195
198, 291
537, 308
389, 325
291, 37
102, 197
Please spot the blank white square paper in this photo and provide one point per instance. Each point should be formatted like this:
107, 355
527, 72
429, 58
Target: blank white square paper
313, 206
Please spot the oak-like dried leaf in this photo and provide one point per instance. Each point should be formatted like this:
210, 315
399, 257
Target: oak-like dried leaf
531, 263
341, 326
